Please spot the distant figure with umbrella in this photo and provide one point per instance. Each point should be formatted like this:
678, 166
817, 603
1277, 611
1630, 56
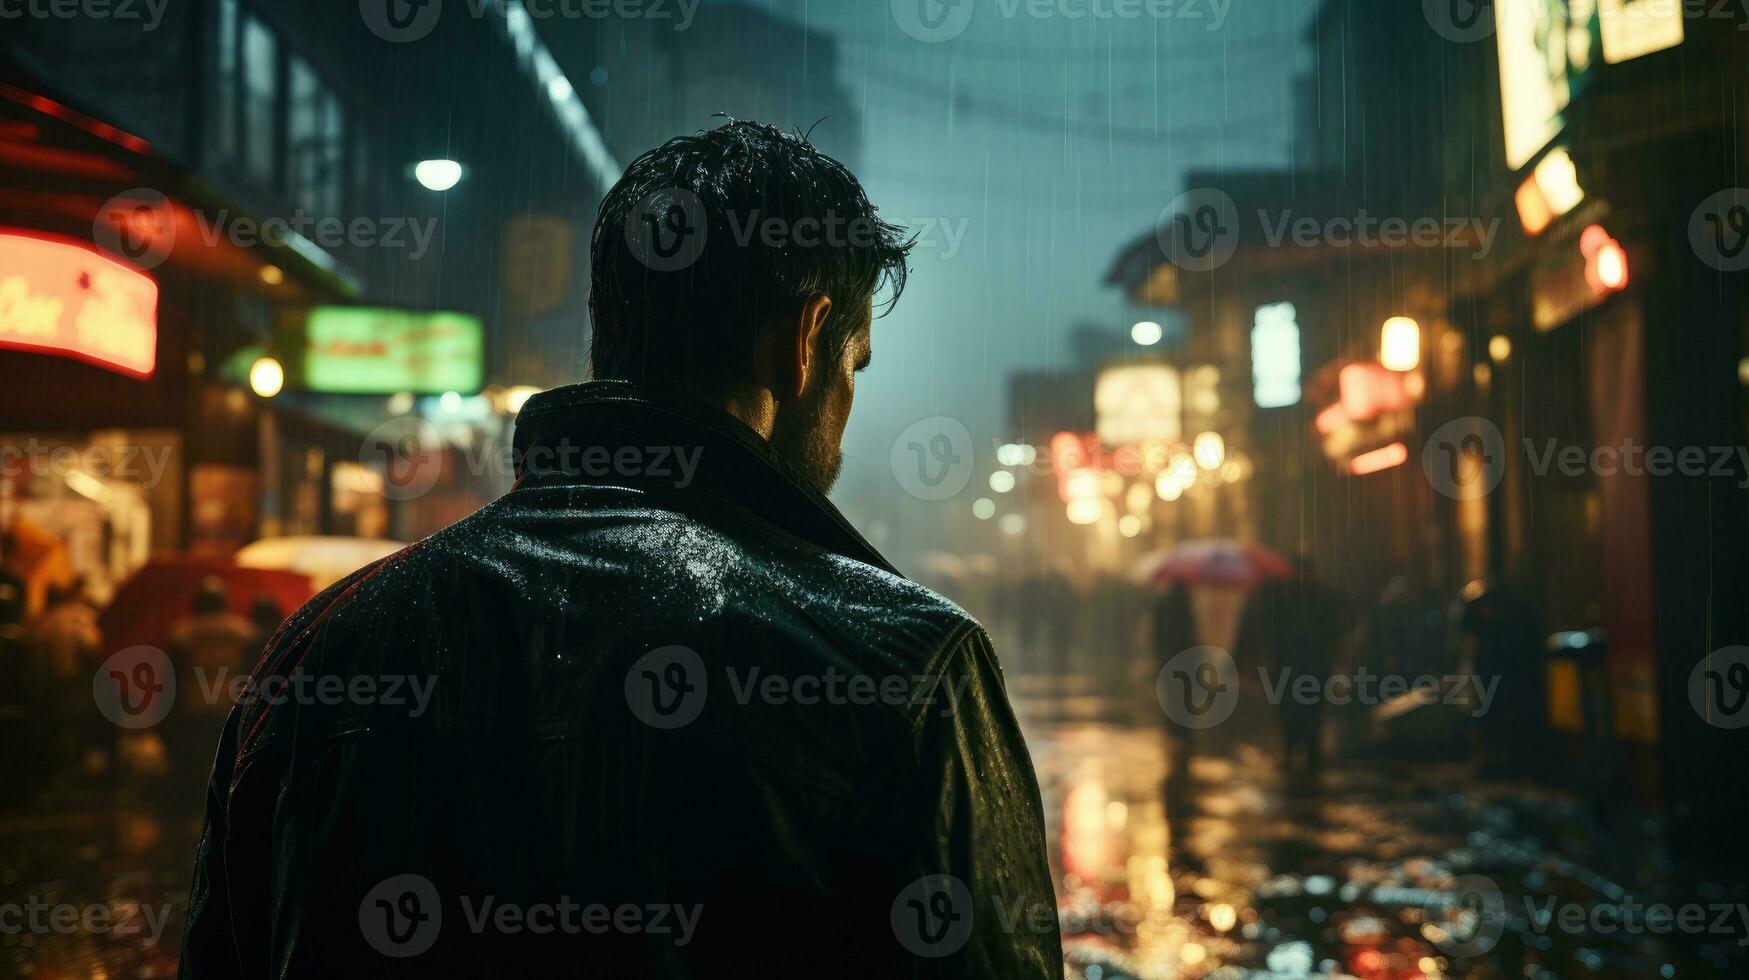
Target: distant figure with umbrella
1175, 631
1224, 570
1291, 628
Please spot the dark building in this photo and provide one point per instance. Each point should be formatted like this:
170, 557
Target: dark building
1578, 293
249, 163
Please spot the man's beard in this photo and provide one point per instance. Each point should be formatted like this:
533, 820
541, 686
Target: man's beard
801, 436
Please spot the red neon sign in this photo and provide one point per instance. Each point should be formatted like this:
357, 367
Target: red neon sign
1395, 454
1368, 390
61, 297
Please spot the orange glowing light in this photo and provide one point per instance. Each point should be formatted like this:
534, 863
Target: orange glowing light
1331, 419
65, 298
1395, 454
1606, 262
1534, 212
1612, 266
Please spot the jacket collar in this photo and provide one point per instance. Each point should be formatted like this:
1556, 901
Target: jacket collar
571, 435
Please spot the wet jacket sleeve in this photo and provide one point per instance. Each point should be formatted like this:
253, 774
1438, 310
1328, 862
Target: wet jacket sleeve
989, 836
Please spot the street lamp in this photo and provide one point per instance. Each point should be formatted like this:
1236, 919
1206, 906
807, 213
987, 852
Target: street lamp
1400, 344
437, 175
266, 377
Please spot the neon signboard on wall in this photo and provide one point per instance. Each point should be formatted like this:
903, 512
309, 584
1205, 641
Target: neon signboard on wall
372, 351
60, 297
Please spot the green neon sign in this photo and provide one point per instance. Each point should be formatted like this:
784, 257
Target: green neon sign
376, 351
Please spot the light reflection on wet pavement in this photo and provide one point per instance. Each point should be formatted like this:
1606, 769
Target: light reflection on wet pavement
1233, 877
1383, 871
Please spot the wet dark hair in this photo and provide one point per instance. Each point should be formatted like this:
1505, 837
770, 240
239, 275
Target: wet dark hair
673, 307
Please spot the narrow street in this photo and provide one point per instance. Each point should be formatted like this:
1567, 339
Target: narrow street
1375, 875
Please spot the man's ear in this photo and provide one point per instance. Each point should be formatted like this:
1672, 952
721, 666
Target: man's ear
805, 358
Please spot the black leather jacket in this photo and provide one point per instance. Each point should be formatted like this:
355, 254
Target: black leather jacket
631, 719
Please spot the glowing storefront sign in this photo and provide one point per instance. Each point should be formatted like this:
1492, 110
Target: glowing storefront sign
65, 298
1633, 28
363, 350
1544, 51
1275, 356
1139, 403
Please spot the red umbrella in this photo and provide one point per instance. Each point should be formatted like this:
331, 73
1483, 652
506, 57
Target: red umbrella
1211, 561
148, 604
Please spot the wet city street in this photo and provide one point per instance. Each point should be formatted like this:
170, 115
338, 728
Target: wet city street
1222, 869
1324, 422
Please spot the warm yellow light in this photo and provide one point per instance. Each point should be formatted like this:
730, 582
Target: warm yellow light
1222, 917
1192, 954
273, 275
1085, 511
1168, 488
1558, 180
1082, 485
1210, 450
1400, 344
1500, 347
1612, 266
517, 396
266, 377
1129, 525
1181, 468
1138, 498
